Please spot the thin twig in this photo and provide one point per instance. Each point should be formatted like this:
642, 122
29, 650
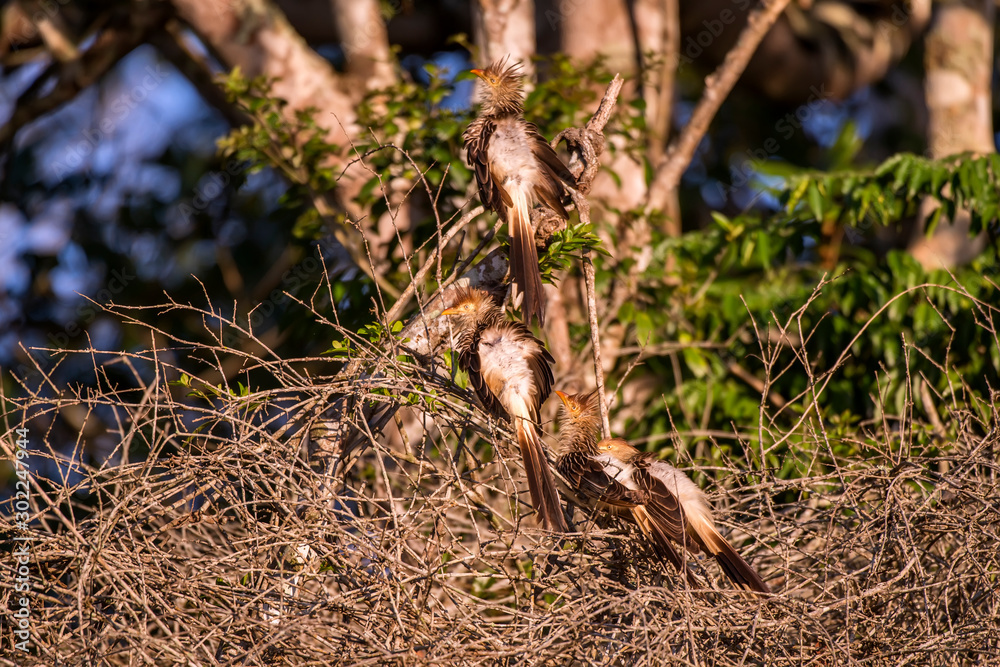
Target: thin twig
404, 299
588, 143
595, 341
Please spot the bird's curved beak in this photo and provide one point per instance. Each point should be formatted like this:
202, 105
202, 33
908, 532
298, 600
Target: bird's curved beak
478, 72
449, 311
563, 397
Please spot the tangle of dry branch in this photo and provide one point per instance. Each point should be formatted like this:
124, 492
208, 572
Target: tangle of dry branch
174, 534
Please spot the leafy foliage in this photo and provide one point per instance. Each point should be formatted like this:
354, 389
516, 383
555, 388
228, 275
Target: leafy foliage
739, 282
297, 149
894, 189
566, 246
706, 304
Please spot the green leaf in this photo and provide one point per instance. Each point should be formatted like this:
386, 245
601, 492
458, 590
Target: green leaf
696, 361
815, 201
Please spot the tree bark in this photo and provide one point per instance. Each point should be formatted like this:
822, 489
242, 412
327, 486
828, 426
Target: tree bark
959, 63
589, 27
256, 37
959, 67
830, 48
505, 28
657, 28
365, 40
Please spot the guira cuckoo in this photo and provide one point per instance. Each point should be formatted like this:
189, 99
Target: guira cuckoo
509, 370
665, 503
515, 168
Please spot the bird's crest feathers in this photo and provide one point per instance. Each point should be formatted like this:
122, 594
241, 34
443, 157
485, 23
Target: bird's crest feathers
580, 405
468, 301
580, 418
504, 89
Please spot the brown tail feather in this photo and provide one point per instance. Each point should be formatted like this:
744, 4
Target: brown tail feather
661, 543
541, 486
524, 260
737, 569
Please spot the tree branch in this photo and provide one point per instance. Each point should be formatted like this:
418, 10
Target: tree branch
717, 87
173, 45
258, 38
111, 45
587, 145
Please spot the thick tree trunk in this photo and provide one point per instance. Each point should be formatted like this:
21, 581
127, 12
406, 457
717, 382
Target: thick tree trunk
657, 28
959, 62
365, 41
959, 68
589, 27
257, 38
505, 28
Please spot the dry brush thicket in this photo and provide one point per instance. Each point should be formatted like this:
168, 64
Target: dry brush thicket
209, 530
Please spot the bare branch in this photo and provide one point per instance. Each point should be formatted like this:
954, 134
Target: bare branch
717, 87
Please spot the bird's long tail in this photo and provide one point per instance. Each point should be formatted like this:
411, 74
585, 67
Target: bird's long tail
702, 531
541, 486
524, 257
661, 542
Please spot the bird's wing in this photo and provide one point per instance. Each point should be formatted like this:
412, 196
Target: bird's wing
590, 480
477, 141
548, 157
550, 188
471, 362
539, 361
662, 503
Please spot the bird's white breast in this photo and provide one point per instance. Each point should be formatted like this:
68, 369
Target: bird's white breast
512, 161
503, 356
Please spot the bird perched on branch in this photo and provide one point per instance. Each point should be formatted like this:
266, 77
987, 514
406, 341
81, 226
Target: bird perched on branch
510, 373
668, 507
515, 168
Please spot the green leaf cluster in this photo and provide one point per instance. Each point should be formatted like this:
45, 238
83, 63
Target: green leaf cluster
566, 247
894, 189
297, 148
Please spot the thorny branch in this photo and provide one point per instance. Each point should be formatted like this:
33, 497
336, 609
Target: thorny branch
885, 557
